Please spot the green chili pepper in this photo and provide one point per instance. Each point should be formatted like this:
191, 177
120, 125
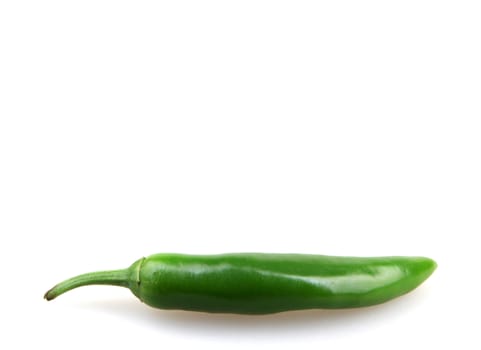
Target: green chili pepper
255, 283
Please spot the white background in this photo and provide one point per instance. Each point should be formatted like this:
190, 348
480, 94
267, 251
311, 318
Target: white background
332, 127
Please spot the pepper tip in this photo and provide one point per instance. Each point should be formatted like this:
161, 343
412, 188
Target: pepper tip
48, 296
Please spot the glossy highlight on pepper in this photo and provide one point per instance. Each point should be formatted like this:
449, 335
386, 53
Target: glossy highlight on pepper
259, 283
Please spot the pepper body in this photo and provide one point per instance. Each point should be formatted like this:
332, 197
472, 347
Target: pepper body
255, 283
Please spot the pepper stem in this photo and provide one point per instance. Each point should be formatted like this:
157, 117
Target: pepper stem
113, 278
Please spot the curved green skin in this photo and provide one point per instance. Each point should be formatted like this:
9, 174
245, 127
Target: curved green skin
256, 283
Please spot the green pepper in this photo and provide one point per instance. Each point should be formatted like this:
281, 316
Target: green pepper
256, 283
